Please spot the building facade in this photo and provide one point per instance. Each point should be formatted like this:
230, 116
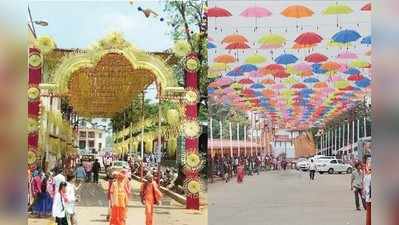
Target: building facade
91, 140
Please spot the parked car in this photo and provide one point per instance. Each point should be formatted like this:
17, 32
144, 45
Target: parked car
302, 165
333, 166
118, 166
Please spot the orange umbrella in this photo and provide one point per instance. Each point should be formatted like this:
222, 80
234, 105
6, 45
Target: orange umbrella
300, 46
234, 38
331, 66
224, 59
237, 45
268, 92
297, 11
268, 81
320, 85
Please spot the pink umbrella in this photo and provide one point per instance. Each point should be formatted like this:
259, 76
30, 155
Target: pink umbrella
303, 66
335, 78
256, 12
224, 81
211, 39
278, 86
347, 55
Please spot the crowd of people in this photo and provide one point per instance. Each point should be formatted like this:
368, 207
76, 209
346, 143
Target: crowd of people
228, 166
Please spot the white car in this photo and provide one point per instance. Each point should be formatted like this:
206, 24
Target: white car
333, 166
118, 166
302, 165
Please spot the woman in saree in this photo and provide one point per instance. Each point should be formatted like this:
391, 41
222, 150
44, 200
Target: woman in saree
240, 172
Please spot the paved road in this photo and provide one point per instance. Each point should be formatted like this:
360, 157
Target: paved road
284, 198
93, 208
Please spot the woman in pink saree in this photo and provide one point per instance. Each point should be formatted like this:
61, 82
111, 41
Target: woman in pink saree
240, 173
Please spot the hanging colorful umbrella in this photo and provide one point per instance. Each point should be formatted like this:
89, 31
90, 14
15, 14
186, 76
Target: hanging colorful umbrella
234, 38
271, 69
224, 59
316, 58
355, 77
257, 86
246, 81
223, 81
301, 67
219, 66
363, 83
237, 45
297, 11
346, 36
246, 68
255, 59
347, 55
286, 59
256, 12
366, 40
281, 74
218, 12
211, 39
331, 66
308, 39
366, 7
271, 39
311, 80
337, 9
211, 45
352, 71
268, 81
270, 46
360, 64
233, 73
236, 86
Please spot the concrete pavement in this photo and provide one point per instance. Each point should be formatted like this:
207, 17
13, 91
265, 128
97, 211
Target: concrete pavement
284, 198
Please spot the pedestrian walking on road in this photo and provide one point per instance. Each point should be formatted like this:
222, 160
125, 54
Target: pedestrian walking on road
312, 169
240, 173
96, 171
59, 178
150, 195
357, 185
71, 199
119, 200
58, 210
80, 174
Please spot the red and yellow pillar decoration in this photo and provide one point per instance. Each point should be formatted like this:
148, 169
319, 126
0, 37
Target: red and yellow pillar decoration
192, 131
34, 79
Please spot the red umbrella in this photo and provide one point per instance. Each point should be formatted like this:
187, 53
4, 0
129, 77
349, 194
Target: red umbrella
355, 77
218, 12
347, 88
237, 45
316, 58
271, 69
281, 74
366, 7
298, 86
248, 92
308, 38
246, 81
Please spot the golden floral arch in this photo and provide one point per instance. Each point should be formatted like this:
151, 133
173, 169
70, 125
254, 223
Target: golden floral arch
106, 78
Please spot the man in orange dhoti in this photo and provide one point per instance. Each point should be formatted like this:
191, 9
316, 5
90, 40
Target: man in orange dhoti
150, 195
119, 194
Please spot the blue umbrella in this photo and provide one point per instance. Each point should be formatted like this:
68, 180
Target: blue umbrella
233, 73
363, 83
258, 93
352, 71
311, 80
246, 68
316, 68
211, 90
306, 91
366, 40
211, 45
286, 59
257, 86
346, 36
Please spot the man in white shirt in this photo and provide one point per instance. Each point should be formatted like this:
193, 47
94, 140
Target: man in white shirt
312, 169
58, 179
58, 210
72, 199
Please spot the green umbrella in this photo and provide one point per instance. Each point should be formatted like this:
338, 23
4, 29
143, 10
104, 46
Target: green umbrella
255, 59
337, 9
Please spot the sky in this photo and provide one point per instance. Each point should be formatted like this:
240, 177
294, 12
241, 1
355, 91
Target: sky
76, 24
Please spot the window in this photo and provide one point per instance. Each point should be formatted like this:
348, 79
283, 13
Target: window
100, 135
333, 161
82, 134
92, 134
99, 146
91, 144
82, 144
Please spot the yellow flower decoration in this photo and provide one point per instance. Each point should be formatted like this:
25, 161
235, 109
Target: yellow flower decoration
173, 116
46, 44
191, 128
33, 93
192, 64
31, 157
33, 125
35, 60
181, 48
193, 160
191, 96
193, 187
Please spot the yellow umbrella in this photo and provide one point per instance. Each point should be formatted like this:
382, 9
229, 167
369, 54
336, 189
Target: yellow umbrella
220, 66
359, 63
255, 59
337, 9
271, 39
341, 84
